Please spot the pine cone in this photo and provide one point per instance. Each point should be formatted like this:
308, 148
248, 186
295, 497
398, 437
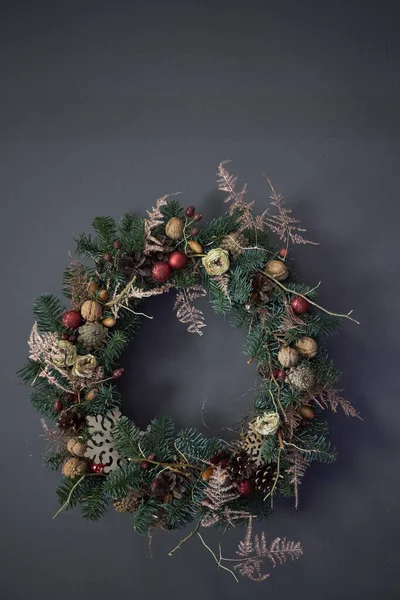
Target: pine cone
130, 503
234, 244
241, 466
169, 486
70, 421
92, 336
301, 377
264, 478
262, 286
139, 265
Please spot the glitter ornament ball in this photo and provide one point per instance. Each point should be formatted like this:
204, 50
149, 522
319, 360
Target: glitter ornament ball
177, 260
160, 272
299, 305
71, 319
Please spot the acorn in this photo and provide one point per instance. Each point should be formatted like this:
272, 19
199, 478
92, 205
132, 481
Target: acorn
108, 322
277, 270
174, 228
307, 347
195, 247
207, 473
104, 295
93, 286
92, 395
306, 412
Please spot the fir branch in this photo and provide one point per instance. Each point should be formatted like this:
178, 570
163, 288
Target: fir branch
186, 312
75, 284
131, 233
127, 438
87, 246
297, 469
283, 223
158, 439
107, 232
145, 516
48, 311
116, 343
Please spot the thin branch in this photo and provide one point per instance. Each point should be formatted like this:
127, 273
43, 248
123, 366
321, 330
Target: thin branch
66, 503
216, 559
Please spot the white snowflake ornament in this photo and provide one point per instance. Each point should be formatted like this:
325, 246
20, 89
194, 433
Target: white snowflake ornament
100, 446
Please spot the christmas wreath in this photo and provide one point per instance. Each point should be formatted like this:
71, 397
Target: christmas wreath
167, 478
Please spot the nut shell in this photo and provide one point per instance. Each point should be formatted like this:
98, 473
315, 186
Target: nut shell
74, 467
307, 347
276, 269
174, 228
76, 447
288, 357
91, 310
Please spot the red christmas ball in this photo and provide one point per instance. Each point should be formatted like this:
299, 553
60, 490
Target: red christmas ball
246, 488
160, 272
72, 319
299, 305
177, 260
145, 465
97, 467
117, 373
189, 212
58, 406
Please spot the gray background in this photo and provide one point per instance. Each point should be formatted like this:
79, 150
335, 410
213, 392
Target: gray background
104, 107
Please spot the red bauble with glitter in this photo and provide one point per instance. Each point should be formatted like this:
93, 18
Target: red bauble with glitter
72, 319
246, 488
97, 467
299, 305
160, 272
177, 260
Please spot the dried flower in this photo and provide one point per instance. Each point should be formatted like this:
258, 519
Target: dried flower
267, 423
64, 354
216, 262
84, 365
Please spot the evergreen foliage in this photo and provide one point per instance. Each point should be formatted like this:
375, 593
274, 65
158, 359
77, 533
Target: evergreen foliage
48, 311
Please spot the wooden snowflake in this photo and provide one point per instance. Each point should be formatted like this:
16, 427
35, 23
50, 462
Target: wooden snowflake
100, 446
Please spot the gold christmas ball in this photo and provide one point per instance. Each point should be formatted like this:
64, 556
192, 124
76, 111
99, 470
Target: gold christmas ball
74, 467
276, 269
306, 412
93, 286
92, 395
104, 295
195, 246
91, 310
288, 357
174, 228
207, 473
307, 347
108, 322
76, 447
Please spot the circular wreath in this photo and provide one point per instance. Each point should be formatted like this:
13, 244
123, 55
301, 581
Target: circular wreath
168, 478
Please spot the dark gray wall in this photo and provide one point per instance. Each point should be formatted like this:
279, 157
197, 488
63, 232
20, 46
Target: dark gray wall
105, 106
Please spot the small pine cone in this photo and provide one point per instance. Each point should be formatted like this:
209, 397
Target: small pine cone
129, 504
92, 336
241, 466
169, 486
264, 478
234, 244
301, 377
70, 421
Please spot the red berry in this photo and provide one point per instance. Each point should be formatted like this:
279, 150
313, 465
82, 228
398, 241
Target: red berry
281, 375
236, 484
72, 319
160, 272
246, 488
117, 245
177, 260
189, 212
222, 453
58, 406
157, 484
71, 397
145, 465
214, 460
197, 217
107, 257
194, 232
283, 252
299, 305
151, 457
224, 463
97, 467
72, 338
65, 336
117, 373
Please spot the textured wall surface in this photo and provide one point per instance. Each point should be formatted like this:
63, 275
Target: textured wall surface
107, 105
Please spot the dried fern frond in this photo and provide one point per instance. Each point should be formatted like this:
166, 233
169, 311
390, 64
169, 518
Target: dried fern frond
186, 312
254, 552
297, 469
153, 244
223, 284
76, 282
283, 223
219, 490
291, 421
329, 397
